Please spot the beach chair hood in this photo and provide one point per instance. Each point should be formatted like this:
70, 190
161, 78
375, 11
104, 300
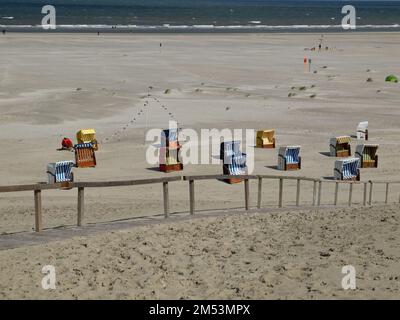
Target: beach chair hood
60, 171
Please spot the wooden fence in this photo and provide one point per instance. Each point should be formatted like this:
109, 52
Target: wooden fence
368, 189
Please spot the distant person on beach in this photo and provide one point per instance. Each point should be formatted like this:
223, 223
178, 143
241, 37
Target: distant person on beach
66, 144
4, 32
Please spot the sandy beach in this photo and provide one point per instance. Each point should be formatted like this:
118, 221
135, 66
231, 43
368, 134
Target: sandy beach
52, 85
282, 255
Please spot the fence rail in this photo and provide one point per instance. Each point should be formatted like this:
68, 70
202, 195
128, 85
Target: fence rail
316, 190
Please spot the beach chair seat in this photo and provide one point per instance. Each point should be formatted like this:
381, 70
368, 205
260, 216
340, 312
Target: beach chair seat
170, 159
265, 139
289, 158
235, 167
362, 130
347, 169
85, 156
87, 136
366, 153
340, 146
60, 172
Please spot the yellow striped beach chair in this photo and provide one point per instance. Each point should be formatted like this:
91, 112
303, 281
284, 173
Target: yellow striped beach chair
265, 139
340, 146
87, 136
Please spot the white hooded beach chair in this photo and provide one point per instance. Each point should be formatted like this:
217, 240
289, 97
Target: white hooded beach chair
347, 169
340, 146
362, 130
60, 172
289, 158
366, 153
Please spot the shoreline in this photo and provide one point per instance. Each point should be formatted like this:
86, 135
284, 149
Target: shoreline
194, 32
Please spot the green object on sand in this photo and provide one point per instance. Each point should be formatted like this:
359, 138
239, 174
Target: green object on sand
392, 78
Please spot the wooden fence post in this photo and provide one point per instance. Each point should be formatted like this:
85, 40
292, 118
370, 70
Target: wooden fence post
81, 205
387, 193
259, 193
280, 193
370, 193
365, 194
246, 194
38, 210
314, 193
191, 193
298, 193
319, 192
350, 193
336, 193
166, 199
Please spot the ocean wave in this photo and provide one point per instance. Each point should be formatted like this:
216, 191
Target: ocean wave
197, 27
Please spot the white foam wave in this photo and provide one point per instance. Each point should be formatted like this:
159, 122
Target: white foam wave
201, 27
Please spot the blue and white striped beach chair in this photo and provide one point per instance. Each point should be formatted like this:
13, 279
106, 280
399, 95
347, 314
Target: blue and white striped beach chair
237, 165
289, 158
228, 150
347, 169
234, 161
60, 172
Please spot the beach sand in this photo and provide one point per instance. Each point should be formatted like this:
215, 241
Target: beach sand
279, 255
52, 85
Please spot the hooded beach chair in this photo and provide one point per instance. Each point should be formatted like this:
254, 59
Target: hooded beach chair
366, 153
265, 139
85, 156
362, 131
289, 158
60, 172
170, 151
234, 161
87, 136
347, 169
340, 146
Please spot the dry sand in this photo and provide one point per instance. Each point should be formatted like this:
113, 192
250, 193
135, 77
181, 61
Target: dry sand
249, 74
52, 85
282, 255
